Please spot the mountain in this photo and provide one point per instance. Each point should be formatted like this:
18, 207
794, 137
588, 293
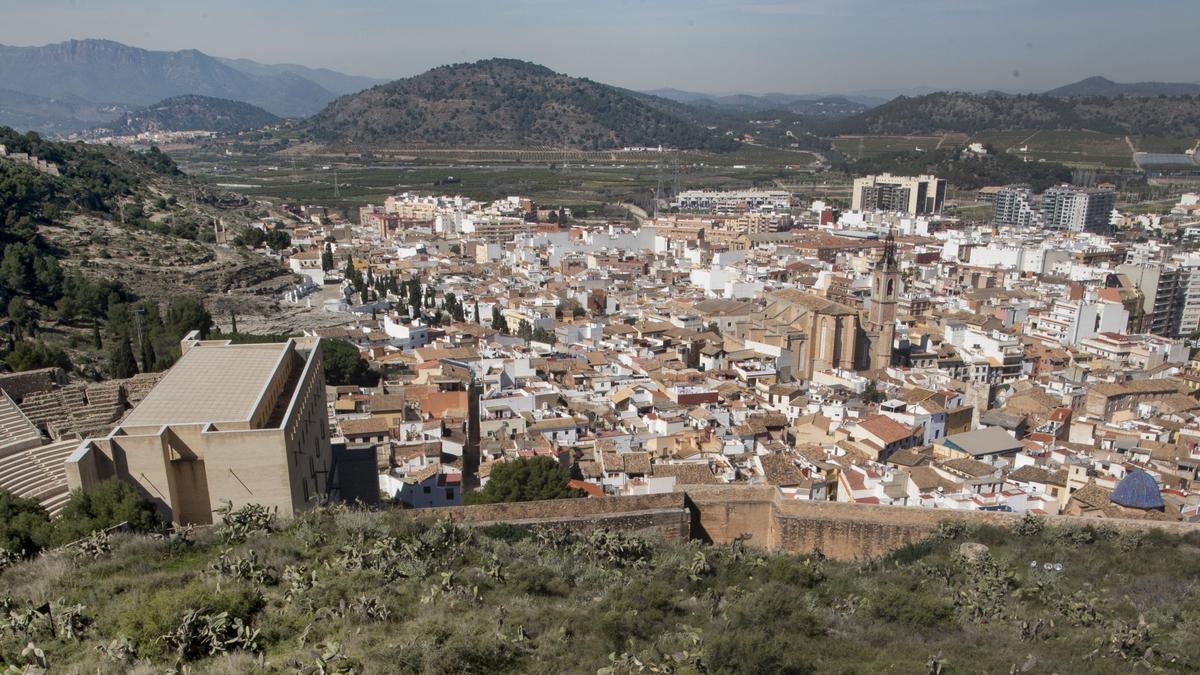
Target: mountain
50, 115
1102, 86
970, 113
109, 72
193, 113
811, 105
331, 80
506, 103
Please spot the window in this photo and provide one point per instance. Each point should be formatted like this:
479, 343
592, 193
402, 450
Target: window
426, 489
450, 493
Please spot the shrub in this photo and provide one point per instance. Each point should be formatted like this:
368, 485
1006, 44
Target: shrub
763, 632
111, 503
525, 480
912, 606
24, 525
165, 610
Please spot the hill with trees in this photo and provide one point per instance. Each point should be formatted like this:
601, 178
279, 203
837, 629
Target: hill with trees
504, 103
1172, 116
1102, 86
192, 113
339, 590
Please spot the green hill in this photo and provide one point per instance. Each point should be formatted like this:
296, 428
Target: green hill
1171, 116
504, 103
347, 591
194, 113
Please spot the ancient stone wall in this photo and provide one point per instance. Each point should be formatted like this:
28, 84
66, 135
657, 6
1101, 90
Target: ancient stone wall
665, 513
757, 516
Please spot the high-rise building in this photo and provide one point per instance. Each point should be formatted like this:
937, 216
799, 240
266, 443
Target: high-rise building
913, 195
1164, 289
1077, 209
1014, 205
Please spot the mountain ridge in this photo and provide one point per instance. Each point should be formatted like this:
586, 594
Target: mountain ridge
505, 102
192, 112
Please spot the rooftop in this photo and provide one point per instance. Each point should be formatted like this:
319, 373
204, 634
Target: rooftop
211, 382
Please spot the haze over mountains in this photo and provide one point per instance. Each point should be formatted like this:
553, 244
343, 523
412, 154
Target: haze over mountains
84, 84
73, 85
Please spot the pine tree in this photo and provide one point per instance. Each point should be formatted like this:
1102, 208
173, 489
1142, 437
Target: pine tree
147, 355
498, 322
233, 321
96, 342
121, 363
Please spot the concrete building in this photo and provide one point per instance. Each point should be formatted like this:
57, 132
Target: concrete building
728, 201
1076, 209
244, 424
913, 195
1164, 289
1013, 205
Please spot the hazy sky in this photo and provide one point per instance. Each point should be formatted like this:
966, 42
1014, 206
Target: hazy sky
706, 45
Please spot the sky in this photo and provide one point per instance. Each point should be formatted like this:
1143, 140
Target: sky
792, 46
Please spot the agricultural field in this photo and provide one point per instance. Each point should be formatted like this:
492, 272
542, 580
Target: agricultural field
859, 147
589, 179
1087, 149
1163, 145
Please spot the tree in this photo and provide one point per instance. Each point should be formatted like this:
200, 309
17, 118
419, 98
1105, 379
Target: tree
26, 355
121, 363
344, 365
327, 258
524, 330
525, 480
414, 296
251, 237
23, 317
498, 322
186, 314
110, 503
24, 525
278, 240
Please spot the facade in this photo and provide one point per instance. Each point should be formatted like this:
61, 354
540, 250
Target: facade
913, 195
237, 424
728, 201
1013, 205
1164, 289
1077, 209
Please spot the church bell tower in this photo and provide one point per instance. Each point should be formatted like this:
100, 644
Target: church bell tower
881, 318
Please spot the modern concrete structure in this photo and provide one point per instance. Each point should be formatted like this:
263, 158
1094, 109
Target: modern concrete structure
913, 195
1014, 206
1076, 209
728, 201
238, 423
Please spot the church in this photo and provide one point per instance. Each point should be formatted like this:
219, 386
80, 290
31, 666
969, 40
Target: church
809, 333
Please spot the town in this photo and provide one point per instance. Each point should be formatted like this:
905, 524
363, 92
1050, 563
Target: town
882, 354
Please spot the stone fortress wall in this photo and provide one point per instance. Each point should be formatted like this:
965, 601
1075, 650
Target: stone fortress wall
760, 517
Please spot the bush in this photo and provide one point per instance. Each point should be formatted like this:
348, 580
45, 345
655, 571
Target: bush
24, 525
162, 612
912, 606
764, 632
111, 503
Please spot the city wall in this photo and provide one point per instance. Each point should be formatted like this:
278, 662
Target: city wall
758, 516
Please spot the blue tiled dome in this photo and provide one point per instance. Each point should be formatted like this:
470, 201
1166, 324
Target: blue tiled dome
1137, 490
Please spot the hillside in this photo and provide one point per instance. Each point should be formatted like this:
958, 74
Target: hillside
503, 103
831, 107
332, 80
1102, 86
1177, 116
346, 591
194, 113
102, 71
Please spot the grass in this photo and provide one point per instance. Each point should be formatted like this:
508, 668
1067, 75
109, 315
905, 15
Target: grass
384, 592
870, 146
1072, 147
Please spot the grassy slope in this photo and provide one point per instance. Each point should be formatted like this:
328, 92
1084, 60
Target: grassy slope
505, 600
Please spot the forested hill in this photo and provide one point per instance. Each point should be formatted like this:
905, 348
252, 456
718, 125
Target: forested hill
505, 103
1176, 116
194, 113
91, 179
